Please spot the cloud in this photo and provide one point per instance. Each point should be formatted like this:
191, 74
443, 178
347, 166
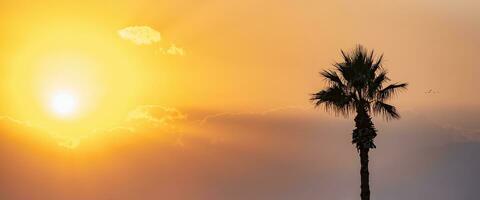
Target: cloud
145, 122
155, 115
173, 50
462, 132
145, 35
140, 35
273, 110
141, 121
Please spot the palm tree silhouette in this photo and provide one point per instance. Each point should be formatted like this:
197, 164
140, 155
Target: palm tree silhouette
356, 85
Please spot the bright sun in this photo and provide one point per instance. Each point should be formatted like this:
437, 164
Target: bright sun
63, 103
69, 86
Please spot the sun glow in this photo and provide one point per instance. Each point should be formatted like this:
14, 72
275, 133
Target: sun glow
64, 103
74, 76
72, 81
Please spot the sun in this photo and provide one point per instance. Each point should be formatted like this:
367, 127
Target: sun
72, 87
63, 103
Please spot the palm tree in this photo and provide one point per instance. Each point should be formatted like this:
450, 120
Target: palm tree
356, 86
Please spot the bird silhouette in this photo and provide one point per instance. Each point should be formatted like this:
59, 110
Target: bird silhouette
430, 91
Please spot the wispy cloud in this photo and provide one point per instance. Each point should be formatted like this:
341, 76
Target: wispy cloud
143, 119
460, 132
173, 50
146, 119
212, 116
140, 35
155, 115
146, 35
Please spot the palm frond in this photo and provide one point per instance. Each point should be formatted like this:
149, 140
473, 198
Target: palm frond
334, 99
358, 67
332, 77
346, 57
345, 71
391, 90
377, 65
386, 110
377, 83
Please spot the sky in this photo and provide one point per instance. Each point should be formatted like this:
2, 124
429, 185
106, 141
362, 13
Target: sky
187, 100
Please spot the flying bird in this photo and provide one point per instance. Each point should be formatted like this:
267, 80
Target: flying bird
430, 91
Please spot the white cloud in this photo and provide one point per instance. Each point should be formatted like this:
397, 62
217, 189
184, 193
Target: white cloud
140, 35
173, 50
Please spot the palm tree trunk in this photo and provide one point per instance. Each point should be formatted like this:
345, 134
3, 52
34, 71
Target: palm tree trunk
365, 185
364, 131
363, 137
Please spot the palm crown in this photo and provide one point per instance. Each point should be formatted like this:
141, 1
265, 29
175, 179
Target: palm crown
358, 83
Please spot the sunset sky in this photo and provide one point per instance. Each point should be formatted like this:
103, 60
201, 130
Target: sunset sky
194, 100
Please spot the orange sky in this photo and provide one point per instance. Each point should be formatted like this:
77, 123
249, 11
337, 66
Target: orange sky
257, 49
208, 81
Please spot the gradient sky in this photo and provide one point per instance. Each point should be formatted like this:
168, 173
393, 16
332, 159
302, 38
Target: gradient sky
189, 100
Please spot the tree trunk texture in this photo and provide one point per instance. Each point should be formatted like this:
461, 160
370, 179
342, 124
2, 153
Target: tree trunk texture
363, 136
364, 174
